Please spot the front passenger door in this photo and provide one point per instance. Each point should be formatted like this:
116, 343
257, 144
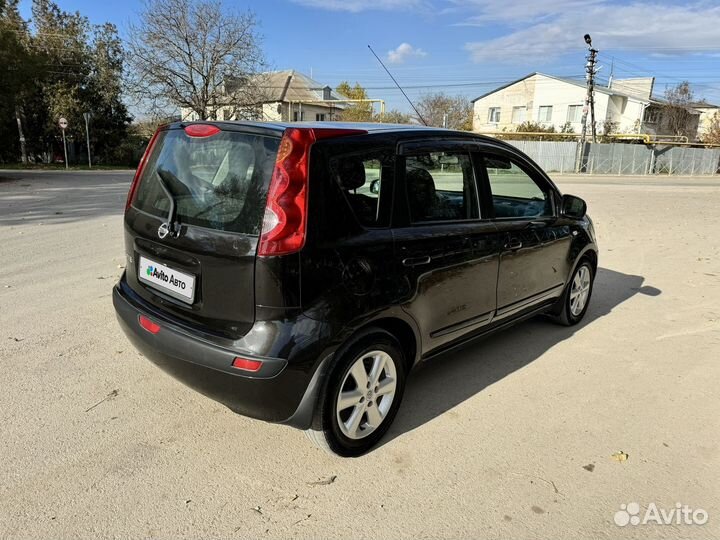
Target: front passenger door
534, 259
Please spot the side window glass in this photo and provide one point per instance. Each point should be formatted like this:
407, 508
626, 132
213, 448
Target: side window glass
441, 187
515, 194
364, 179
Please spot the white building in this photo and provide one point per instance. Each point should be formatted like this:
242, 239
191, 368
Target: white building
707, 112
554, 101
287, 96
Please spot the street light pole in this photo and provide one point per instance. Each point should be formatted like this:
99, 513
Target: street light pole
589, 107
86, 116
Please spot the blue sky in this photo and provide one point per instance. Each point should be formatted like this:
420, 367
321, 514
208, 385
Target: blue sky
471, 46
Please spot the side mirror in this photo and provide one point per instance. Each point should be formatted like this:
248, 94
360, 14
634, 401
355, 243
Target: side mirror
375, 186
573, 207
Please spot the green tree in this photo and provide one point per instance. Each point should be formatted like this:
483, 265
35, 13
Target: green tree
109, 117
522, 130
17, 68
60, 40
72, 68
355, 112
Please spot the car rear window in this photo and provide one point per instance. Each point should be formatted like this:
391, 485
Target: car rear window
218, 182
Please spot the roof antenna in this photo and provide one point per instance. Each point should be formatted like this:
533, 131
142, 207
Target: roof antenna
399, 88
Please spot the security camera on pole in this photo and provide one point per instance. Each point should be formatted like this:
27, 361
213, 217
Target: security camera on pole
590, 72
63, 123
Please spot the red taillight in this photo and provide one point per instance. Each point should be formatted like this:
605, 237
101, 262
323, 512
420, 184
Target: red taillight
246, 364
140, 168
201, 130
285, 220
148, 325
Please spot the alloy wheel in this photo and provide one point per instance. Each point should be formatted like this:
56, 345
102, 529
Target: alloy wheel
366, 394
580, 290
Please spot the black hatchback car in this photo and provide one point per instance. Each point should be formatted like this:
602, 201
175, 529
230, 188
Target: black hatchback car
297, 272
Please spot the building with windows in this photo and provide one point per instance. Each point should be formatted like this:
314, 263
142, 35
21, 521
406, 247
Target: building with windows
707, 114
278, 96
555, 101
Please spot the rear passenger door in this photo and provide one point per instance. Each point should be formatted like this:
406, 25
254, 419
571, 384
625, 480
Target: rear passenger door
535, 251
446, 250
347, 265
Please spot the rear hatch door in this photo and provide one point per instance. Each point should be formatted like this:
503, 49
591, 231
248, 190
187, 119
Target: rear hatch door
203, 276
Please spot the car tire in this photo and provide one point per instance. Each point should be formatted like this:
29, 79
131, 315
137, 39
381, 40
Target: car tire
576, 298
351, 426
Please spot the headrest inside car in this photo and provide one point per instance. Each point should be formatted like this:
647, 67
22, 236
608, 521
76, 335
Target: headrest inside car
350, 173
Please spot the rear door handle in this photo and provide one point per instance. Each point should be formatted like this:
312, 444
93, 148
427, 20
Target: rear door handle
513, 244
416, 261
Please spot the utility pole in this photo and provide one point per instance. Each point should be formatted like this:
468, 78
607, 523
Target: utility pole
589, 107
86, 116
23, 149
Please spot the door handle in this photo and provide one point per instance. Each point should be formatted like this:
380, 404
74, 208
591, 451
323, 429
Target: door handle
513, 244
537, 224
416, 261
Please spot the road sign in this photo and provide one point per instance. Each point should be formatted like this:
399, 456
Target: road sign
63, 123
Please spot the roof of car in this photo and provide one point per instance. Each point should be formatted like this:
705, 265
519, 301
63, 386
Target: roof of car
370, 127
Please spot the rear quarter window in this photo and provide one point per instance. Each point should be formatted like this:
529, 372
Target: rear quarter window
365, 178
218, 182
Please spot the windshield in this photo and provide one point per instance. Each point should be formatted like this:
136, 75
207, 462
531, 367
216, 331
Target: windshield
219, 182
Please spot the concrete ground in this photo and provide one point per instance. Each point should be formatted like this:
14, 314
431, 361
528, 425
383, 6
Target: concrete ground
510, 438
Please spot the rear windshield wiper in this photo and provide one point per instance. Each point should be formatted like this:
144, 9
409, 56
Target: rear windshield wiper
172, 226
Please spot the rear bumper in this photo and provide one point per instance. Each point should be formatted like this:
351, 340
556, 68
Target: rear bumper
279, 392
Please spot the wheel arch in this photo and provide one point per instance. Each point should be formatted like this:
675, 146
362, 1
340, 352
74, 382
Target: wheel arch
591, 255
393, 323
403, 332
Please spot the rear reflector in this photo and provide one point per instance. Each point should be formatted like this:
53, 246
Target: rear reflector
201, 130
246, 364
148, 325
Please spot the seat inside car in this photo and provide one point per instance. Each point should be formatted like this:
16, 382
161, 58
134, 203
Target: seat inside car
425, 203
351, 176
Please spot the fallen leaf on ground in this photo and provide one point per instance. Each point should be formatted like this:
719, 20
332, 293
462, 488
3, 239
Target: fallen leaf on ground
620, 456
325, 482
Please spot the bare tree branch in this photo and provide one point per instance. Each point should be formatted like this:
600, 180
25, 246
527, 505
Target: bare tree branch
455, 112
677, 115
184, 53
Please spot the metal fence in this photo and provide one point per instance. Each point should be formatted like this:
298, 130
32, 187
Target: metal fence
621, 158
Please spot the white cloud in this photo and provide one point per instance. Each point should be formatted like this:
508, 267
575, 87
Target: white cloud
356, 6
546, 30
402, 52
